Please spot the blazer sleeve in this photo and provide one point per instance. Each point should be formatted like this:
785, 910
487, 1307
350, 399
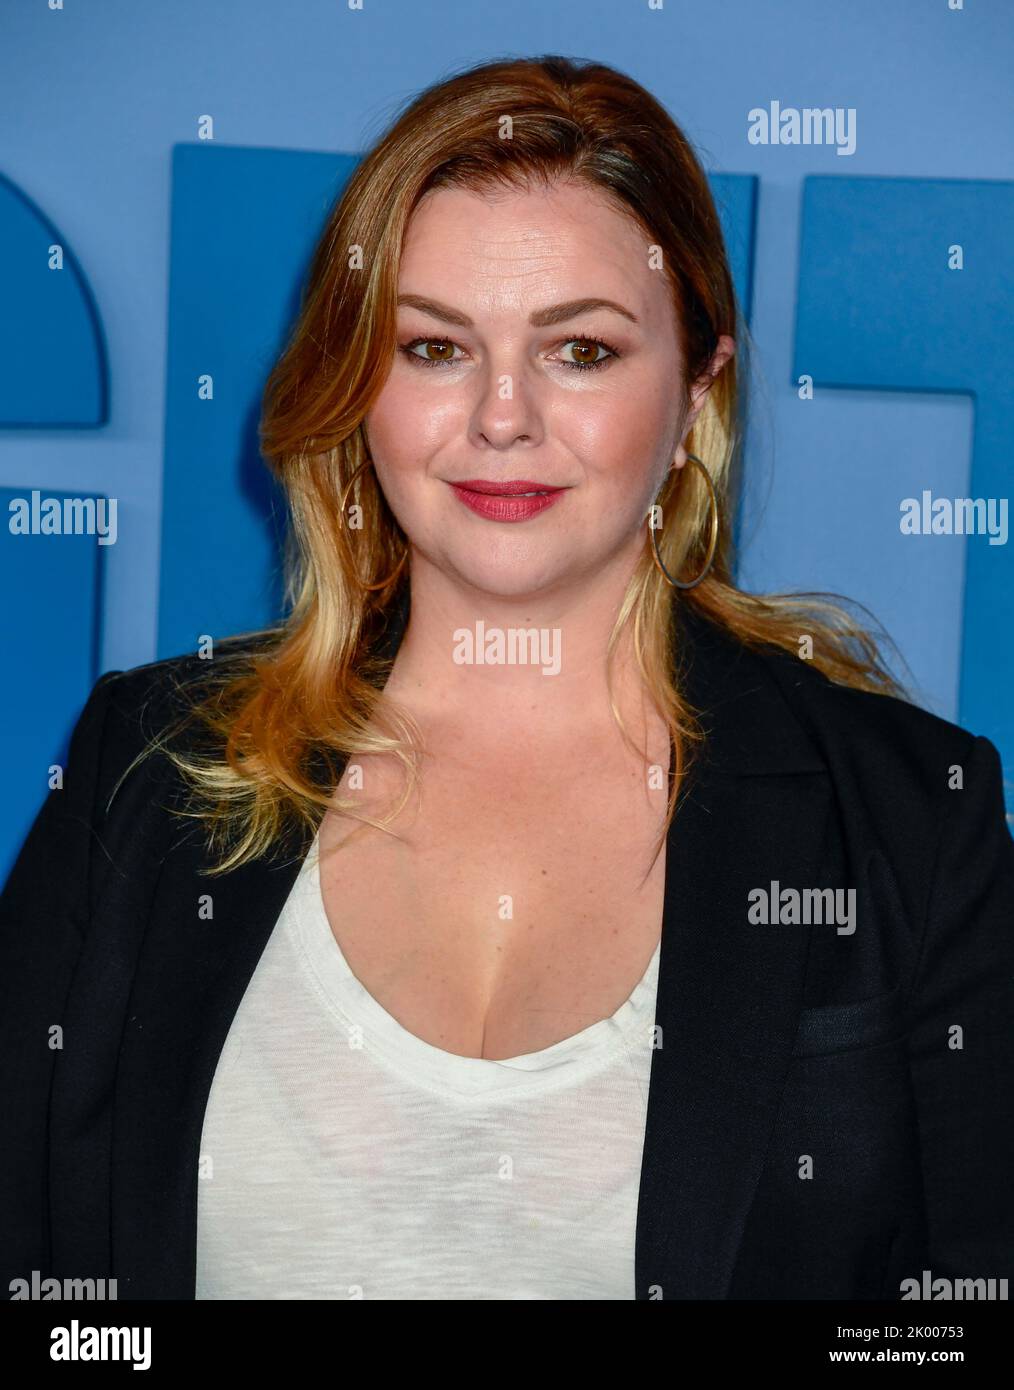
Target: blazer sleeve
961, 1037
43, 916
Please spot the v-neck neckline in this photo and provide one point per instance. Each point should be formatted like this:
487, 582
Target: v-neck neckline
563, 1062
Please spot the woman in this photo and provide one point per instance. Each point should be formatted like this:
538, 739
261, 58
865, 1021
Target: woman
533, 913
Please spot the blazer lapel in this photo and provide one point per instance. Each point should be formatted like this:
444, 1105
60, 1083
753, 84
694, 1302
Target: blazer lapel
729, 992
728, 998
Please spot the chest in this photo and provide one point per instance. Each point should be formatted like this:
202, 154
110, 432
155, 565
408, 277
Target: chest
510, 904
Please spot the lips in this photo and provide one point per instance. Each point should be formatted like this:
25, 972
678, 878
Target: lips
518, 487
517, 499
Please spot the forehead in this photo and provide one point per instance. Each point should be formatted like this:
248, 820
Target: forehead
510, 251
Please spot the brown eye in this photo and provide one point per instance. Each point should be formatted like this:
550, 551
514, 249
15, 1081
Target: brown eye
585, 352
436, 351
443, 350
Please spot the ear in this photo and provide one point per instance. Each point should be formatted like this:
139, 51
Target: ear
698, 392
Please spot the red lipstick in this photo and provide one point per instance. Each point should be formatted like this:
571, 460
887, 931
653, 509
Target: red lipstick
506, 501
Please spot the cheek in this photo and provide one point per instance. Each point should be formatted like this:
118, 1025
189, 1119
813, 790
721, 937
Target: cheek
405, 434
383, 431
623, 445
406, 426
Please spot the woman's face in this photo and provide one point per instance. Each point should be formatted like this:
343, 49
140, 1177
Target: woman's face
507, 370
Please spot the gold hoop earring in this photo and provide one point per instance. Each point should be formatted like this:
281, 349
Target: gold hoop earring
712, 542
371, 588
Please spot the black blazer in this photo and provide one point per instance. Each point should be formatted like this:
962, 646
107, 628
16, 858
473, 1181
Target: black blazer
786, 1049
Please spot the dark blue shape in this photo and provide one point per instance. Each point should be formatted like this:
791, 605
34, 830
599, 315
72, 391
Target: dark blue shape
53, 370
880, 309
52, 594
244, 224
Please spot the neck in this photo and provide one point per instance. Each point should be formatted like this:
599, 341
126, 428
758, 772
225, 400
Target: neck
523, 665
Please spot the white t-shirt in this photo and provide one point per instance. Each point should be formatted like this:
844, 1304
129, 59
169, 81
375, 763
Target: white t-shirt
344, 1157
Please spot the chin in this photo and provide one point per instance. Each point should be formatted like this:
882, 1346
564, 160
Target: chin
509, 579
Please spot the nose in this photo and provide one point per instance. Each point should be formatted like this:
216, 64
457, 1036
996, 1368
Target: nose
506, 409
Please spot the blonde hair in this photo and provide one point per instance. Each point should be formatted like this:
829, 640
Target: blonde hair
283, 710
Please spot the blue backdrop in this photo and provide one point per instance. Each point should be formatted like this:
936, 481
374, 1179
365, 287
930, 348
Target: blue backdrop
161, 192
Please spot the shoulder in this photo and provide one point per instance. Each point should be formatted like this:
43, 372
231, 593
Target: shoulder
787, 702
921, 792
890, 761
130, 710
852, 712
879, 741
150, 696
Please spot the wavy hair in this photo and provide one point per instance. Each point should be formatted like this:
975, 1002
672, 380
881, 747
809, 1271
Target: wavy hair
282, 708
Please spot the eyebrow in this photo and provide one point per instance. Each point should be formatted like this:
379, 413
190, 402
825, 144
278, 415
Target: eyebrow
541, 318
